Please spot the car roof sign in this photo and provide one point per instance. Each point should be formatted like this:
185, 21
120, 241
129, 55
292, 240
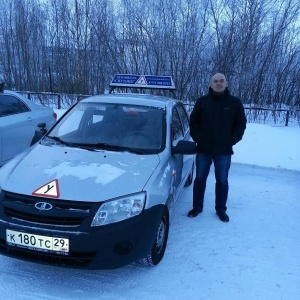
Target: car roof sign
142, 81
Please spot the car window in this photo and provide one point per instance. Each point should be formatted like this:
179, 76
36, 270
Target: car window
177, 132
131, 126
183, 117
10, 105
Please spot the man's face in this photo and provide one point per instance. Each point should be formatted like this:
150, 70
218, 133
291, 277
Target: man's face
218, 83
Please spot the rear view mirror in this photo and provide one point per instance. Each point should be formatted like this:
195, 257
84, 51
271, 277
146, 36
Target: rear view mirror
184, 147
39, 133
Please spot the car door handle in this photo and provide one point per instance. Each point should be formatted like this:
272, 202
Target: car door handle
29, 119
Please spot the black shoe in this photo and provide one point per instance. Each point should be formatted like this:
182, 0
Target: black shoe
223, 216
194, 213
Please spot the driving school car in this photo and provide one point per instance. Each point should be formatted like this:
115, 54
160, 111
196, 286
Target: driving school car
98, 189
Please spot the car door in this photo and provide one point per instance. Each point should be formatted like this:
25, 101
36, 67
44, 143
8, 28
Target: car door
188, 160
180, 131
16, 126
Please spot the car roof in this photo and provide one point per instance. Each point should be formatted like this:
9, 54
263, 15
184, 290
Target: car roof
9, 92
134, 99
18, 95
30, 104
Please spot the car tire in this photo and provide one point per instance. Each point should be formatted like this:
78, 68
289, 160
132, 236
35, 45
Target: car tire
158, 250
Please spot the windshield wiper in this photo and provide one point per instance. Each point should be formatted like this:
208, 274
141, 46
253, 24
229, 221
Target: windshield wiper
96, 146
109, 147
57, 139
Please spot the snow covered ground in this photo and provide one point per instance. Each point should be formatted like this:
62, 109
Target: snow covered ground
254, 256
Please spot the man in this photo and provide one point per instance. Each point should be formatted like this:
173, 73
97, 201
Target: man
217, 122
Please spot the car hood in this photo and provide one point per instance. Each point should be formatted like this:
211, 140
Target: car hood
76, 174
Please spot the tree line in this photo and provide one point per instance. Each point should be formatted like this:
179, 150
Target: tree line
76, 46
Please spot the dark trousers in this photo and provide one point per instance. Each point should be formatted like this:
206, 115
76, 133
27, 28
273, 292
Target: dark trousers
222, 165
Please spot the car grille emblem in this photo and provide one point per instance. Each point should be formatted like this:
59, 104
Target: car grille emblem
43, 206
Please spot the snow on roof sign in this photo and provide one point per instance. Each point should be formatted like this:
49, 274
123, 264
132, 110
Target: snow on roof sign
143, 81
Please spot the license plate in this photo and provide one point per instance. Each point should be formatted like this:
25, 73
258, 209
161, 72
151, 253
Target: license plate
37, 242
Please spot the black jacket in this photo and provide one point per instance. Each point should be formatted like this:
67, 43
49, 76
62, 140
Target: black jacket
217, 122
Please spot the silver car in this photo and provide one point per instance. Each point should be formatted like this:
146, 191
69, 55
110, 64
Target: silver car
102, 184
19, 118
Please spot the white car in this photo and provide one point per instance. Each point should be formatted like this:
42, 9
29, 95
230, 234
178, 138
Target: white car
102, 184
19, 118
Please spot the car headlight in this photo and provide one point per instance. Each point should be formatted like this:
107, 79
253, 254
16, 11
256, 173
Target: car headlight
119, 209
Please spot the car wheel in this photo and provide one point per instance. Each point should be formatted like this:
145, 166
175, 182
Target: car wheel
189, 180
158, 250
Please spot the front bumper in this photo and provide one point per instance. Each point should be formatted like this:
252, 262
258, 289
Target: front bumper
104, 247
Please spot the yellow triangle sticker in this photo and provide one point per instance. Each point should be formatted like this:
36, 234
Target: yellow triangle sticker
49, 189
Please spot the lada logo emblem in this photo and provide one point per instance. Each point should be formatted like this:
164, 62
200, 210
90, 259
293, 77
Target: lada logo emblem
43, 206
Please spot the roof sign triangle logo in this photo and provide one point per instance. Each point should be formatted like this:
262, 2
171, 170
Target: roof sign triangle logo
142, 80
50, 189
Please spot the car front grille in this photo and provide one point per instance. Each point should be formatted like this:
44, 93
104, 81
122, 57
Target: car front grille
63, 212
16, 214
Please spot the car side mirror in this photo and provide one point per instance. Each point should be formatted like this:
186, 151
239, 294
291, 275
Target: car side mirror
184, 147
39, 133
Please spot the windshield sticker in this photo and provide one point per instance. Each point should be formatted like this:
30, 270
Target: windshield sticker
49, 189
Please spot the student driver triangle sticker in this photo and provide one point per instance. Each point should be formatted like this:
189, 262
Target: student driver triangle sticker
49, 189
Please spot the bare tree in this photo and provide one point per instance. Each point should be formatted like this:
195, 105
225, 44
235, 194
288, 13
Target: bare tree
22, 33
76, 46
251, 47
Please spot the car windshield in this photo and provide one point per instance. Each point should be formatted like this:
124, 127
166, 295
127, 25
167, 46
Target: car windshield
115, 127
